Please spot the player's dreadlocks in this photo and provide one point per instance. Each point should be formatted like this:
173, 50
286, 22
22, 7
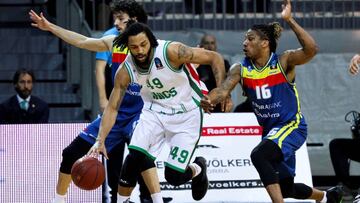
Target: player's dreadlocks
271, 32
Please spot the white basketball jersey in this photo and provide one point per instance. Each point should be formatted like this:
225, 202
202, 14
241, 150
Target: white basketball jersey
166, 89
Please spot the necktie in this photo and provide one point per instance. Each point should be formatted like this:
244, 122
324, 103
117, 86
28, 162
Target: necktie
24, 105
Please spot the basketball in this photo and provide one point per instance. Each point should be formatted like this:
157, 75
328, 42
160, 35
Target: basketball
88, 173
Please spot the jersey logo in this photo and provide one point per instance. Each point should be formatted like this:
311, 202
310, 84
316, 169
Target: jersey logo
158, 63
273, 65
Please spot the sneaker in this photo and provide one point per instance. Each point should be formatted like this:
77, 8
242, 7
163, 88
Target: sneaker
334, 195
357, 199
165, 200
200, 183
58, 200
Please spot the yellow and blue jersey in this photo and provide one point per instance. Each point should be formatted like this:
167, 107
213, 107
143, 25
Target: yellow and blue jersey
275, 100
276, 104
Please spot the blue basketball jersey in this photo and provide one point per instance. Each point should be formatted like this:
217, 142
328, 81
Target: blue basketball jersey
274, 99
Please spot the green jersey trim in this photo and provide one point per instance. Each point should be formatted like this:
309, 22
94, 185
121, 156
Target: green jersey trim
176, 70
142, 151
193, 84
129, 71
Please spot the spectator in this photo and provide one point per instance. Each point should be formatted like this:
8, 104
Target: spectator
23, 107
206, 75
342, 150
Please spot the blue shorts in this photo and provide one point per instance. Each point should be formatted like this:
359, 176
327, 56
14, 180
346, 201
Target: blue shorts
120, 132
289, 137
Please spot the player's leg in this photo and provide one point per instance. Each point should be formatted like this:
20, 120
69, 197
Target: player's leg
276, 149
114, 165
115, 142
341, 150
183, 137
302, 191
77, 148
263, 156
140, 160
137, 163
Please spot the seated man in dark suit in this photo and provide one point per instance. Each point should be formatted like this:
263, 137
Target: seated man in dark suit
23, 107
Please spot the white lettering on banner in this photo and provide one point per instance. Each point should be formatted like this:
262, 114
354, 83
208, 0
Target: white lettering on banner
232, 130
223, 184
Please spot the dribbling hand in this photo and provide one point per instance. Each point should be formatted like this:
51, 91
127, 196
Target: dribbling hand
98, 148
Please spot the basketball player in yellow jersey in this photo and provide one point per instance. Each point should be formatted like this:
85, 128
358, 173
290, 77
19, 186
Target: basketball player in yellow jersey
171, 110
268, 80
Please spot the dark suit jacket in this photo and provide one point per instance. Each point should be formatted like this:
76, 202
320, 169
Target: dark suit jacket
10, 112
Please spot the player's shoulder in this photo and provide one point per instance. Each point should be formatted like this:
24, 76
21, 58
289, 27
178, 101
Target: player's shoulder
111, 31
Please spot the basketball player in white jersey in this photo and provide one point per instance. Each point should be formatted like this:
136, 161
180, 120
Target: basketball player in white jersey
171, 113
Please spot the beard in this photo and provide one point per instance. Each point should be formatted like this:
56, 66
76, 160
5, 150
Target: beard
144, 64
23, 93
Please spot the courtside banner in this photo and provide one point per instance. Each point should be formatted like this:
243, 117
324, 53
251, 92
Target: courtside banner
226, 143
30, 156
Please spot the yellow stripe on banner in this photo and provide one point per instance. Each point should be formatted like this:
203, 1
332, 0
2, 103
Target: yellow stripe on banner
282, 138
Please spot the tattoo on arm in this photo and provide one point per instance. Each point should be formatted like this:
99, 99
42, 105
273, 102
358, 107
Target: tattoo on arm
185, 52
230, 82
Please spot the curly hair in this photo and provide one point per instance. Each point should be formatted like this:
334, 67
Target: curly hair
131, 7
135, 28
271, 32
22, 71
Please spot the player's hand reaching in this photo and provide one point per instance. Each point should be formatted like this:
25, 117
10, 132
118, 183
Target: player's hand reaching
206, 104
286, 10
354, 64
227, 105
98, 148
39, 21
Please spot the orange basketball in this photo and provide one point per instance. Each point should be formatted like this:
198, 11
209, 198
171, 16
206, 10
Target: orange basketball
88, 173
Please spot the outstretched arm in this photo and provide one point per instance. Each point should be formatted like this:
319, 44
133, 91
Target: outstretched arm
309, 48
179, 53
73, 38
122, 80
354, 64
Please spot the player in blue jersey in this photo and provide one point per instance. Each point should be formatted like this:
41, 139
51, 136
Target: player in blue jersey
128, 114
103, 72
268, 81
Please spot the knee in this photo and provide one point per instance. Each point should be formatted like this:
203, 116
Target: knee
333, 144
256, 156
131, 169
68, 159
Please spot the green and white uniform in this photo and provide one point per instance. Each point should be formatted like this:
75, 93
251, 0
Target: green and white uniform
171, 111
